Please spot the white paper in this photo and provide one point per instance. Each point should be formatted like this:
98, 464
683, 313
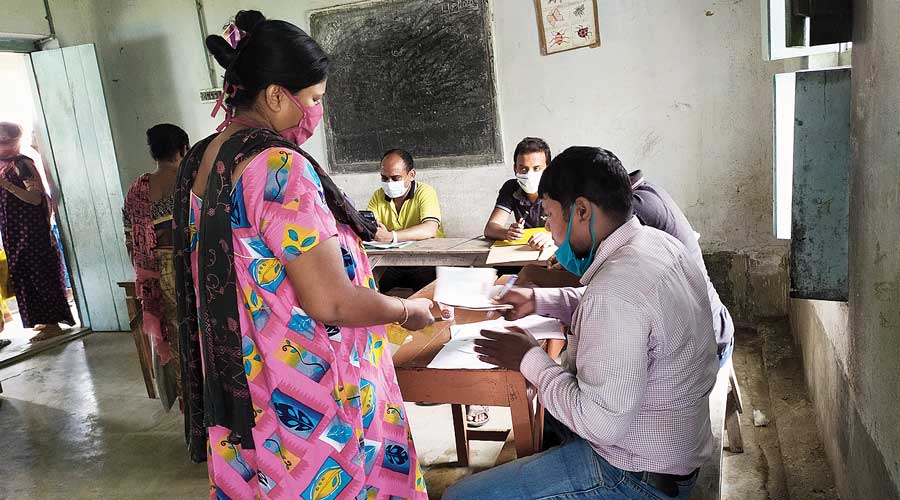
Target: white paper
539, 327
459, 355
459, 352
377, 245
467, 288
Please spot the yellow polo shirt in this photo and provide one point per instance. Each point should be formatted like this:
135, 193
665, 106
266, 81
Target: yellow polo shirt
421, 205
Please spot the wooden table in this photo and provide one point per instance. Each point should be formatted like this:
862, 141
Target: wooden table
453, 252
460, 252
496, 387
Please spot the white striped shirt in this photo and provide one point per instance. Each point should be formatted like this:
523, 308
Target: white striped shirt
641, 355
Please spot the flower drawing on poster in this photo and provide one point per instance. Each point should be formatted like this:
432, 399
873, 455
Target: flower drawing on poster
567, 24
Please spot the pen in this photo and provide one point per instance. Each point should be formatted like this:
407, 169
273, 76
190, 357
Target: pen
507, 286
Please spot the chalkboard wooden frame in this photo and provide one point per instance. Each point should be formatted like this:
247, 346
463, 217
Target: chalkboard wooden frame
480, 139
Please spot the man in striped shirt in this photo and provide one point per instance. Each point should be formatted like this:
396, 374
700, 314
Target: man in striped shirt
633, 394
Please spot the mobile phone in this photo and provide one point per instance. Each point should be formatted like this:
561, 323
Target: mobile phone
368, 215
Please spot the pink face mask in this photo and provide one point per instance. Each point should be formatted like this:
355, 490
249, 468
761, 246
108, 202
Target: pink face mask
307, 125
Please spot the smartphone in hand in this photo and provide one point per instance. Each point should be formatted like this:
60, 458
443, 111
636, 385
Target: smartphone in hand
368, 215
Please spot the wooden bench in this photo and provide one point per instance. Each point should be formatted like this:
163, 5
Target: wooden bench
141, 342
724, 407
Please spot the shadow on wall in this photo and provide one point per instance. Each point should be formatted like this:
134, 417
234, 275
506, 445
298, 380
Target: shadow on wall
139, 72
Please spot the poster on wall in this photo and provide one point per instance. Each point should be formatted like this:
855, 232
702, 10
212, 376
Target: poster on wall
567, 24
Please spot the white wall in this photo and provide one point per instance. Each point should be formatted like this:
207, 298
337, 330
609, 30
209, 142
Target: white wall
23, 17
152, 63
678, 89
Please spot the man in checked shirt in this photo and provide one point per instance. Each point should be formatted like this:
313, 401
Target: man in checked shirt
633, 393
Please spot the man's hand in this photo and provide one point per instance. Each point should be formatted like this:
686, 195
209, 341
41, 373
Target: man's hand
516, 230
383, 235
504, 349
522, 300
552, 263
540, 241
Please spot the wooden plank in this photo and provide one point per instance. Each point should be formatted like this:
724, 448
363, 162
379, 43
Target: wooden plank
66, 80
821, 202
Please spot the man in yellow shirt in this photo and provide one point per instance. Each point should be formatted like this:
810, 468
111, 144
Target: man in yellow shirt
406, 210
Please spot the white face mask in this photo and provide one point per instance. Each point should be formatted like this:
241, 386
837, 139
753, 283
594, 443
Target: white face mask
394, 189
529, 182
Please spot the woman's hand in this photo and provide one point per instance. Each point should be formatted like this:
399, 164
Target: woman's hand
34, 185
419, 314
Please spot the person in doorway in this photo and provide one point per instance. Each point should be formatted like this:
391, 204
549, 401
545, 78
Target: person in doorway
633, 393
35, 264
519, 197
148, 237
406, 210
269, 263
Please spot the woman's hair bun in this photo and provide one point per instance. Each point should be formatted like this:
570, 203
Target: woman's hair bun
248, 20
221, 50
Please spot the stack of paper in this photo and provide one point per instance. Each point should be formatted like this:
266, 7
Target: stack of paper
377, 245
459, 353
466, 288
509, 251
518, 254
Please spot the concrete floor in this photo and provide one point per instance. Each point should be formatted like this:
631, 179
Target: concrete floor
77, 424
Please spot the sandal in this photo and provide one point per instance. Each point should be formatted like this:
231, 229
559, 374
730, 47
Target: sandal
477, 416
47, 333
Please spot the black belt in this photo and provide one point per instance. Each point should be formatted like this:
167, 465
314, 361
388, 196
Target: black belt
666, 483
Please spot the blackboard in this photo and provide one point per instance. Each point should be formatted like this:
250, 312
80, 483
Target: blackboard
410, 74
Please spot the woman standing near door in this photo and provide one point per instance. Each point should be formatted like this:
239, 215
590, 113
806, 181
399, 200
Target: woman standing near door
148, 236
35, 264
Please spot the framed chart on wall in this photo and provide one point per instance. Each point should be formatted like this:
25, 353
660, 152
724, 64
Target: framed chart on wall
567, 24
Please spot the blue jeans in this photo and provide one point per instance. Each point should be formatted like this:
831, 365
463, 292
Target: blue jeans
573, 471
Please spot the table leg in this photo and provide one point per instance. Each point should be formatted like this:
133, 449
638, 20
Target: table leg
522, 415
538, 427
460, 431
143, 359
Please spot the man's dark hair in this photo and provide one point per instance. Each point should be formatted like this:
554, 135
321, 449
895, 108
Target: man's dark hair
593, 173
166, 140
531, 145
270, 52
404, 155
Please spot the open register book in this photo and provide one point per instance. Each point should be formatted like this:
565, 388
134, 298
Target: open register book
518, 251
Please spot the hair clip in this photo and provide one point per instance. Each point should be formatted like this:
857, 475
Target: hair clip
233, 34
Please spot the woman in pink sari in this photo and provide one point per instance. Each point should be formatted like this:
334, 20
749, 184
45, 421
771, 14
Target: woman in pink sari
290, 375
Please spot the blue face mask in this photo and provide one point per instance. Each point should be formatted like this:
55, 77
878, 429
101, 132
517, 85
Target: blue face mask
566, 257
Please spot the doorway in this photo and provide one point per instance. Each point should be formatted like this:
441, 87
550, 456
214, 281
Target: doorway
17, 105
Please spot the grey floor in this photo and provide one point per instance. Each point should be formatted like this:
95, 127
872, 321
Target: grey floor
76, 423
